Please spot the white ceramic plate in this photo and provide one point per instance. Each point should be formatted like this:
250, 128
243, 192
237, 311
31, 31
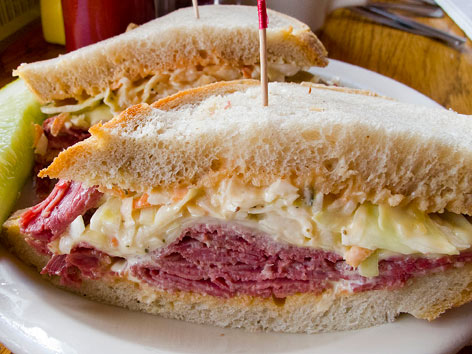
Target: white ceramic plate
38, 318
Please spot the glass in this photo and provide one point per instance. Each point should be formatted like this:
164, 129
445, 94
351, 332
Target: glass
90, 21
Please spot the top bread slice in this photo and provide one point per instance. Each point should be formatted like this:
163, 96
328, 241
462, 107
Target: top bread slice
347, 142
223, 34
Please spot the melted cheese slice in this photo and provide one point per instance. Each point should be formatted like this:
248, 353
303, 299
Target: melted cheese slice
281, 210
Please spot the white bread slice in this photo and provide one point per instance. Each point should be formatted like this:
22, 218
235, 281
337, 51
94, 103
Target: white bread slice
424, 297
223, 34
343, 141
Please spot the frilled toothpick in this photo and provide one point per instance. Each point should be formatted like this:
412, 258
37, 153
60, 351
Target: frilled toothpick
261, 9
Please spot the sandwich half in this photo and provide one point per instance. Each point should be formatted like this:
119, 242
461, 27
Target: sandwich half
160, 58
330, 209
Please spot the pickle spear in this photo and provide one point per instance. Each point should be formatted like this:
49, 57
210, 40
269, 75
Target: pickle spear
18, 111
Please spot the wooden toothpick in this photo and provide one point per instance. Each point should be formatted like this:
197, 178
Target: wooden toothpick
195, 7
261, 9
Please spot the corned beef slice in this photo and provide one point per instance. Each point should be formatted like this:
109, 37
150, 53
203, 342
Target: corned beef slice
225, 260
56, 143
83, 261
66, 136
47, 220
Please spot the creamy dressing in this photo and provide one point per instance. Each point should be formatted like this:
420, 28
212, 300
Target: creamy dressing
120, 227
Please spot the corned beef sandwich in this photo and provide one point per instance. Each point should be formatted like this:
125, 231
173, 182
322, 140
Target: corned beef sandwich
160, 58
330, 209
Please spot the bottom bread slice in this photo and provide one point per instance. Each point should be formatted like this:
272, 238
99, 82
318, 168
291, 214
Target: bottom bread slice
424, 297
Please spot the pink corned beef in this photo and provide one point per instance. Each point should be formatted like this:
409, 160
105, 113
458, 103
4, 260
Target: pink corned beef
56, 143
47, 220
226, 260
83, 261
66, 136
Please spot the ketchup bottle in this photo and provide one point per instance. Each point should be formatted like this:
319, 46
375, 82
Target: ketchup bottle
90, 21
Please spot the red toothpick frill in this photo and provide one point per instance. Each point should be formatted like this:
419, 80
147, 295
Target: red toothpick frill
263, 21
261, 10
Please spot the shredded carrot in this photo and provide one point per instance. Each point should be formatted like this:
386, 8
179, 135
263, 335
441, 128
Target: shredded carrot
228, 105
116, 191
247, 72
38, 131
114, 242
141, 202
58, 123
356, 255
40, 143
179, 194
309, 90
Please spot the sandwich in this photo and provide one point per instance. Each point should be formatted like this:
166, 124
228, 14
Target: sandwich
330, 209
159, 58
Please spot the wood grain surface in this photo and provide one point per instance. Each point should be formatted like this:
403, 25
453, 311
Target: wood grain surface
25, 46
4, 350
431, 67
438, 71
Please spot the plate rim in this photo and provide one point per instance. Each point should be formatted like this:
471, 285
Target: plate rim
377, 82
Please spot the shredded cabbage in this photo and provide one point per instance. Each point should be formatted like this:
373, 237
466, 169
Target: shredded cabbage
154, 87
87, 104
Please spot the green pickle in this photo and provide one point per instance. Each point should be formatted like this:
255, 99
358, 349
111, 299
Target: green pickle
18, 111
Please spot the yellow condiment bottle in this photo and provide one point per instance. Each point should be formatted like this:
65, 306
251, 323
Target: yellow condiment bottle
52, 21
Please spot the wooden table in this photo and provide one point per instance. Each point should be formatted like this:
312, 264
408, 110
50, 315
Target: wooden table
440, 72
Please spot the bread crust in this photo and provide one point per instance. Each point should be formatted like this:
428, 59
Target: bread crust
223, 34
358, 145
67, 158
424, 297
